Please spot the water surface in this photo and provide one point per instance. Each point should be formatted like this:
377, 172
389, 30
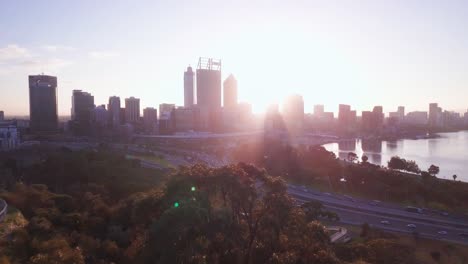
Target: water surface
449, 152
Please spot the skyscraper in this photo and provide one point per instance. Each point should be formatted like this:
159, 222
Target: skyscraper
82, 111
150, 118
435, 115
319, 110
188, 87
114, 111
43, 103
209, 83
293, 113
230, 92
209, 94
82, 106
132, 110
2, 116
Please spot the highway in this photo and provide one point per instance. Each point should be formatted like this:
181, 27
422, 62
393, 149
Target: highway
358, 211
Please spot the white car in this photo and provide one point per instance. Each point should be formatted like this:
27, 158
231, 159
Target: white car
442, 232
411, 225
385, 222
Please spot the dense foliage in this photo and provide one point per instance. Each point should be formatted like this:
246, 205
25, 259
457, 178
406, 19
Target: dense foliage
233, 214
98, 207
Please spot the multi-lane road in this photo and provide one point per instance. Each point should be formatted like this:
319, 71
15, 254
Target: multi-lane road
389, 217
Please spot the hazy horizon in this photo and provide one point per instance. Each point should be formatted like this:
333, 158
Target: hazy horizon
331, 52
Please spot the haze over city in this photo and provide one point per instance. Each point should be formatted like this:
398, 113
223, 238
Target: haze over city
233, 132
385, 53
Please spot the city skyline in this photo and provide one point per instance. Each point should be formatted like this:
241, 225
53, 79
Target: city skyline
356, 55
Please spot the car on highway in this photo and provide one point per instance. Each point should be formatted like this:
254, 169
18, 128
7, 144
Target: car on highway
375, 202
463, 235
442, 232
305, 190
385, 222
411, 226
413, 209
349, 198
328, 194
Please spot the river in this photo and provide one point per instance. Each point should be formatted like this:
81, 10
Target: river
449, 152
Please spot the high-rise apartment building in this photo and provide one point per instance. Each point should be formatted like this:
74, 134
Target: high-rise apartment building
43, 103
230, 92
2, 116
189, 87
132, 110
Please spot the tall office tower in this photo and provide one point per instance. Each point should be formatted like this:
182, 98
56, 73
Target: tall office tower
401, 112
113, 109
319, 110
343, 114
43, 103
82, 106
132, 110
2, 116
150, 118
208, 94
346, 118
293, 113
188, 87
230, 92
209, 83
435, 115
367, 121
378, 117
100, 115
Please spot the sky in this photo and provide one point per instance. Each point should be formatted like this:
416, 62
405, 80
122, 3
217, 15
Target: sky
362, 53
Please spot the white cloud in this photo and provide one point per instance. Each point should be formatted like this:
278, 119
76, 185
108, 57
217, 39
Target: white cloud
13, 52
103, 54
15, 59
57, 48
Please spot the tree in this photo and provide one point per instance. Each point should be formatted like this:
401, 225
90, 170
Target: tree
365, 230
397, 163
454, 177
364, 159
411, 166
352, 157
433, 170
435, 255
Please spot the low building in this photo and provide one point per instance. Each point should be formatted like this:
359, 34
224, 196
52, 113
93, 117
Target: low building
416, 118
9, 136
183, 119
